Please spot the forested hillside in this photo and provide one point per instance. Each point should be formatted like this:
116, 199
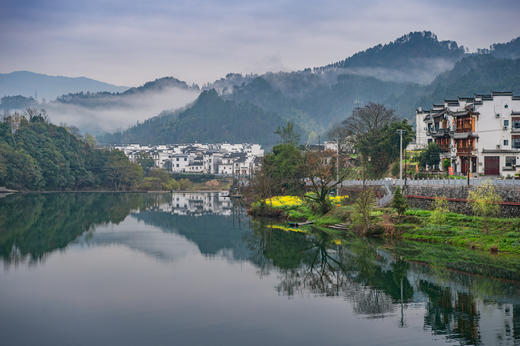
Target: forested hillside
112, 99
36, 155
210, 119
248, 108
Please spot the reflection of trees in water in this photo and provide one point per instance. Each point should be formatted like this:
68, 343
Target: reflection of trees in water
373, 281
454, 314
314, 264
34, 225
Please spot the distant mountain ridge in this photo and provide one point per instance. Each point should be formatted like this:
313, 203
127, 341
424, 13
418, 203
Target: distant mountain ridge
209, 119
28, 84
317, 98
120, 99
414, 70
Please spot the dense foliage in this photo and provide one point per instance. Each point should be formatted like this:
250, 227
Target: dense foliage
405, 51
431, 156
374, 131
16, 102
111, 99
211, 119
37, 155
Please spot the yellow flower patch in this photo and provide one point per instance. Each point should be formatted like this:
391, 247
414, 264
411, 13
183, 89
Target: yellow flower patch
284, 201
337, 199
287, 229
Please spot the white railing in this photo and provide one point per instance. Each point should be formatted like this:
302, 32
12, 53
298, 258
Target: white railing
433, 182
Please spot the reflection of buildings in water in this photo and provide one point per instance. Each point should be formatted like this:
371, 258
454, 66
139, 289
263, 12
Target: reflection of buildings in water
198, 203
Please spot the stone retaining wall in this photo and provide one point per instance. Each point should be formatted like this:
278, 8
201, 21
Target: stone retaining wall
460, 193
508, 194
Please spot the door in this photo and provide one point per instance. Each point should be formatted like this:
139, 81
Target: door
491, 165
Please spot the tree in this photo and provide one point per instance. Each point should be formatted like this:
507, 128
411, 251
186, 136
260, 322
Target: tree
363, 207
288, 134
122, 173
431, 156
185, 184
399, 202
319, 168
145, 161
373, 130
282, 169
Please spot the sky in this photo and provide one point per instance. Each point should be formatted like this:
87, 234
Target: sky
128, 43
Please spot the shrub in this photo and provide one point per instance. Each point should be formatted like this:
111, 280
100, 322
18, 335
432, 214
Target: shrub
399, 202
485, 200
440, 209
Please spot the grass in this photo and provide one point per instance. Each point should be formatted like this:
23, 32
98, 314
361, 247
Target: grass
489, 234
480, 233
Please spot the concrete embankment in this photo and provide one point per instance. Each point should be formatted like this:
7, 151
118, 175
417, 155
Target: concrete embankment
422, 197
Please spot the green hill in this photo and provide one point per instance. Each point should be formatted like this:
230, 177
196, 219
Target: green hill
36, 155
210, 119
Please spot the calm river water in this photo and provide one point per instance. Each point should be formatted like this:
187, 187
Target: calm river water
191, 269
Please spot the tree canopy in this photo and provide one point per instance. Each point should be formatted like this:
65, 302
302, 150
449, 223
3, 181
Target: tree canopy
37, 155
373, 130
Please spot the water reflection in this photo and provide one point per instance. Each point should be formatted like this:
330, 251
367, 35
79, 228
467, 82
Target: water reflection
374, 279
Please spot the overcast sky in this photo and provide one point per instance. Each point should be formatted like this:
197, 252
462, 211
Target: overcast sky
131, 42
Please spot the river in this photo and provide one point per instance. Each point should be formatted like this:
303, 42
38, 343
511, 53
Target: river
194, 269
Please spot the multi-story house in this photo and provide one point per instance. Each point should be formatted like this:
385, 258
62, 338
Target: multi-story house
479, 135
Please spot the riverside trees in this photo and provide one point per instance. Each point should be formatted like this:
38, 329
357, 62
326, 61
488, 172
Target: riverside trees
37, 155
373, 131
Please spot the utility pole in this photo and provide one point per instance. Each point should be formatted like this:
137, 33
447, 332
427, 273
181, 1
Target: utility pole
401, 131
337, 166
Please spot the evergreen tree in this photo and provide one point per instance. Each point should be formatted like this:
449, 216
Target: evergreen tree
399, 202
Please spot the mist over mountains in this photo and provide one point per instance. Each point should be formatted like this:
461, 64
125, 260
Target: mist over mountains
415, 70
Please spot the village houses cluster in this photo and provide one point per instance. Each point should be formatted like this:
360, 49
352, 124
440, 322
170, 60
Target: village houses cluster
479, 135
221, 159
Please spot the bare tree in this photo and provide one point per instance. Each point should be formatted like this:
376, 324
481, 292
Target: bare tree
322, 176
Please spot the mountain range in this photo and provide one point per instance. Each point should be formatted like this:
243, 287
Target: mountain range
39, 85
414, 70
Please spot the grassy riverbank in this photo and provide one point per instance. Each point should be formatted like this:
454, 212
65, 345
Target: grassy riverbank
479, 233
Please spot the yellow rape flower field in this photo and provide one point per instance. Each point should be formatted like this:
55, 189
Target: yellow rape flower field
286, 202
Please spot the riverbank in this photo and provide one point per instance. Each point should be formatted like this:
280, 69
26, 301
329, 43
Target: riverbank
479, 233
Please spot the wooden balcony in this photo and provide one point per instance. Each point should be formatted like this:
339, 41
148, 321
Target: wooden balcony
465, 150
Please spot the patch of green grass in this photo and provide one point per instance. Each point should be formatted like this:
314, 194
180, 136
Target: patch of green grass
496, 234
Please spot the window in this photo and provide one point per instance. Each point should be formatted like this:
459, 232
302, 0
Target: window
177, 160
506, 106
516, 143
516, 124
506, 142
185, 159
506, 122
510, 161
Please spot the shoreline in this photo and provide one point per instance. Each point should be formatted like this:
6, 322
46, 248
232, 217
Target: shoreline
10, 192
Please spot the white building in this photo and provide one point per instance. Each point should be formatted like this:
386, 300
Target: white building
480, 134
224, 159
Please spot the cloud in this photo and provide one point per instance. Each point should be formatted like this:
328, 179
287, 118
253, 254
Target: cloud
130, 42
119, 112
